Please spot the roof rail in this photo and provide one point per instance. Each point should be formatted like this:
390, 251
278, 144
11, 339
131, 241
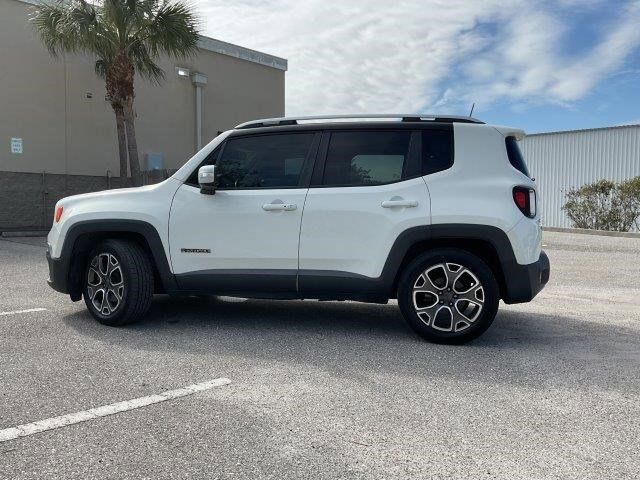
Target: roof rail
412, 117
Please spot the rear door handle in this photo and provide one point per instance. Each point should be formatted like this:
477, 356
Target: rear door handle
274, 207
399, 203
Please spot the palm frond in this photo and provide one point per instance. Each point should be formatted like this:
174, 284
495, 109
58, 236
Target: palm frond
51, 22
75, 27
142, 30
174, 31
144, 64
117, 15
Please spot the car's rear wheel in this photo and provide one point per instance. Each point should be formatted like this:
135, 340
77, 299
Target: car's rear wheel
118, 282
448, 296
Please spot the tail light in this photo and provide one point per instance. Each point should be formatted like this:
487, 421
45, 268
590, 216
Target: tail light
58, 214
525, 200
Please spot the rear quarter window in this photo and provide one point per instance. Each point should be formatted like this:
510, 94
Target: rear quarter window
515, 155
437, 150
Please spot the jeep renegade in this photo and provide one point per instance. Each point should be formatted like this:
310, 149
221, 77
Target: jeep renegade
438, 212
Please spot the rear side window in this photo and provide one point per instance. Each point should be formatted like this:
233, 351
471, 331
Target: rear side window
437, 150
362, 158
264, 161
515, 155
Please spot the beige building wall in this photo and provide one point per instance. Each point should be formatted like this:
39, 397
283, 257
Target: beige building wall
57, 106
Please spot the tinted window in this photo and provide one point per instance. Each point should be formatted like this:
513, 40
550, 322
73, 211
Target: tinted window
366, 158
437, 150
265, 161
515, 155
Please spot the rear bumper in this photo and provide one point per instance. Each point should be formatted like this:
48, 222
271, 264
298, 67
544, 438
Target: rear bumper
524, 282
57, 274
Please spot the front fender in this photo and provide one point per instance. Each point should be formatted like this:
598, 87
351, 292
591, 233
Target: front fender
64, 271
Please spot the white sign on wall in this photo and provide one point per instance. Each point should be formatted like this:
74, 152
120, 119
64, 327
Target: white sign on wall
16, 145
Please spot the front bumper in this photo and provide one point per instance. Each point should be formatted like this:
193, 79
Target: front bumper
58, 274
524, 282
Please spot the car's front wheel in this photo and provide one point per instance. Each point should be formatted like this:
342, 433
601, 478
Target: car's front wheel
448, 296
118, 282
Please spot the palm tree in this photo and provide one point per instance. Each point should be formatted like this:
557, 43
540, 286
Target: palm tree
126, 37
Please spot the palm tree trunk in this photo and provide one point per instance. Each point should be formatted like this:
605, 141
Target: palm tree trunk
132, 144
122, 140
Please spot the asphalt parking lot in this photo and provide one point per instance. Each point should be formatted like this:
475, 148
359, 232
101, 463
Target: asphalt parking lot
329, 389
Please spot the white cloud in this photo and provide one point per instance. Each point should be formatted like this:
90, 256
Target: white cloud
420, 55
579, 76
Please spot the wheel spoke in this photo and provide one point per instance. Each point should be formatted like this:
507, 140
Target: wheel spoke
421, 282
464, 281
105, 309
115, 276
461, 325
112, 300
452, 270
443, 319
103, 264
468, 310
437, 276
475, 295
112, 265
94, 278
119, 291
424, 299
97, 298
428, 314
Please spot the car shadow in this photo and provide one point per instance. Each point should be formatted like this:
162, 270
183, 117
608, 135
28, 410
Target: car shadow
522, 347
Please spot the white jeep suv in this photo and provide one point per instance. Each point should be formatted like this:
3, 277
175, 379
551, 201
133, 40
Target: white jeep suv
437, 212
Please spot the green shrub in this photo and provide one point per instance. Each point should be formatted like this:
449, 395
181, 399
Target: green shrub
630, 198
605, 205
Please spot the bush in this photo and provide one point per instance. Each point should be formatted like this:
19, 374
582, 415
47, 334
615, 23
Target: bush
605, 205
630, 198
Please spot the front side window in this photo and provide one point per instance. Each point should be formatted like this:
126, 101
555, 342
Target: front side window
361, 158
263, 161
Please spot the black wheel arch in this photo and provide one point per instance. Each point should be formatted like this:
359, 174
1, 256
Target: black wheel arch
83, 236
489, 243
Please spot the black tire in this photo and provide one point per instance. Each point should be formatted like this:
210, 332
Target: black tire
135, 289
437, 328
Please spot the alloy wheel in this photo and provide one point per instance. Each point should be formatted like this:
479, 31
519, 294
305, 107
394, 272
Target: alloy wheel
448, 297
105, 283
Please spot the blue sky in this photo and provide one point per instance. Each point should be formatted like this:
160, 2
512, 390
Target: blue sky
542, 65
613, 100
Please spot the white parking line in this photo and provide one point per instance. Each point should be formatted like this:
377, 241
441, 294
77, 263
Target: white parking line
28, 310
77, 417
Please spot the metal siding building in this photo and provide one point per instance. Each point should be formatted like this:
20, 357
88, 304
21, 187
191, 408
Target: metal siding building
560, 161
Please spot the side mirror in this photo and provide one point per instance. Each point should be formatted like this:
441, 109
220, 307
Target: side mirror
207, 179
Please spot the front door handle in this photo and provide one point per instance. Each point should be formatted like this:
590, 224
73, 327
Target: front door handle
274, 207
399, 203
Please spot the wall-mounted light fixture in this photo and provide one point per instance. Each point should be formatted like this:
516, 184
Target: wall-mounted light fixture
182, 72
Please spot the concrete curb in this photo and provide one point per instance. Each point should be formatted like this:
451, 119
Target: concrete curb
30, 233
583, 231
